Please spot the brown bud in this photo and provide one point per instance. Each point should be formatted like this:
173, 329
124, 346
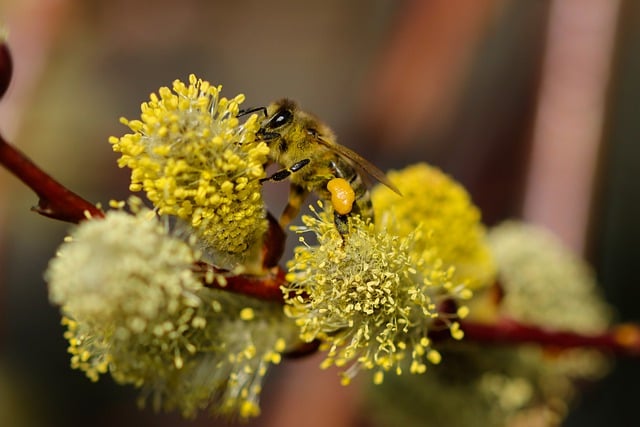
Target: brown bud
6, 68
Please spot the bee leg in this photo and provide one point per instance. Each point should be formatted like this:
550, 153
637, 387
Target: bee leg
342, 195
342, 223
285, 173
244, 112
297, 195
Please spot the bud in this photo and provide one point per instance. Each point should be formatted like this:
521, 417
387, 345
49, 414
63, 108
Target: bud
6, 66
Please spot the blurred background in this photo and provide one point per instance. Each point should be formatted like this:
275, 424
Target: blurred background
532, 105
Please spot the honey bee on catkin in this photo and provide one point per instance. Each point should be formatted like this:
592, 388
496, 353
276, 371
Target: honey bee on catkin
313, 161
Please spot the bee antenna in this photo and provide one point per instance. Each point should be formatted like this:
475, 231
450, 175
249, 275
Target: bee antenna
244, 112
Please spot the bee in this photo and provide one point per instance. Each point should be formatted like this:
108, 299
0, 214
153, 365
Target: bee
310, 157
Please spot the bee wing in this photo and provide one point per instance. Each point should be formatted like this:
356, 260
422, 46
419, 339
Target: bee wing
361, 163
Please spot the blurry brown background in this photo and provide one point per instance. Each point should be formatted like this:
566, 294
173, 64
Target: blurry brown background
533, 105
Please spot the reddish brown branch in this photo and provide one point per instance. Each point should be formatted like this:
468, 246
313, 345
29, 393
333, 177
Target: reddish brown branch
56, 201
303, 350
6, 68
266, 287
623, 340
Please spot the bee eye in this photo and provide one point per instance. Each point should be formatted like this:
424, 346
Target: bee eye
281, 118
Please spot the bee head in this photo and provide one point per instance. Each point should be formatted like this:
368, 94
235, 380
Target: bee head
280, 114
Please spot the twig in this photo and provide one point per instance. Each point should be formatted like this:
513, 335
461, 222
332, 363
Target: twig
56, 201
6, 68
621, 340
265, 287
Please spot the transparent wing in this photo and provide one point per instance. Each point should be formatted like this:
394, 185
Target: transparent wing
361, 163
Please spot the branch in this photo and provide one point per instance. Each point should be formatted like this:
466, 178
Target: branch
264, 287
56, 201
6, 68
621, 340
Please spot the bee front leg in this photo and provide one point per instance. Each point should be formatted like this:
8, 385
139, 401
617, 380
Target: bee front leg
247, 111
285, 173
297, 195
